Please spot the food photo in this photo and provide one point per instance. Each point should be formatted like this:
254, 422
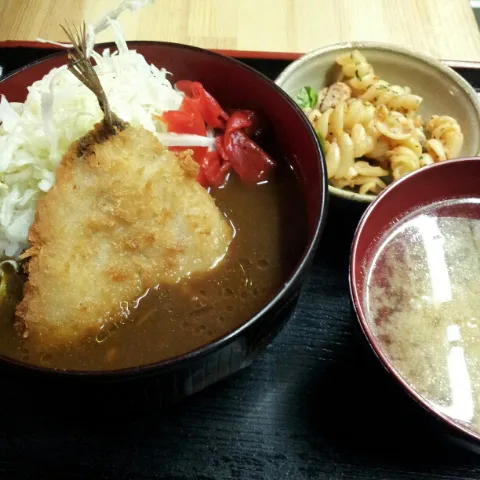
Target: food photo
239, 244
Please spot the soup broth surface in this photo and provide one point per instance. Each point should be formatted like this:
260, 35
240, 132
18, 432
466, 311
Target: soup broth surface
423, 302
271, 232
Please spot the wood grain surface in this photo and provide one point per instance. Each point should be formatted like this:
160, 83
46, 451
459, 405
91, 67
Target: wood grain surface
445, 29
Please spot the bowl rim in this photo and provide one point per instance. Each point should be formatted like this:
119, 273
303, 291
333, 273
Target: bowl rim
289, 284
445, 69
358, 303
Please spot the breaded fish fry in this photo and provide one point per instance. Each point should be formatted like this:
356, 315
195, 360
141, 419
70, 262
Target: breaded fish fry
123, 216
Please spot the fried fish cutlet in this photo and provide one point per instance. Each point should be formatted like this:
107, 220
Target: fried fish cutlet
122, 217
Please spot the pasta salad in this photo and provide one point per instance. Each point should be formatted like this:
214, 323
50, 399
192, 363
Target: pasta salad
371, 131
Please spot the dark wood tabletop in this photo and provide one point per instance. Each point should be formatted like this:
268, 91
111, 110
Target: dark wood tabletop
317, 404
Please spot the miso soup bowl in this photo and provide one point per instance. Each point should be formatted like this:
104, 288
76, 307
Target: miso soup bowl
443, 90
452, 179
293, 140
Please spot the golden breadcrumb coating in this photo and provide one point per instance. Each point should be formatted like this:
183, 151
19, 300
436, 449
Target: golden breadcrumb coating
124, 215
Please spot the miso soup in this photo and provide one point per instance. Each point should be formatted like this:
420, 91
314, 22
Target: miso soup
423, 302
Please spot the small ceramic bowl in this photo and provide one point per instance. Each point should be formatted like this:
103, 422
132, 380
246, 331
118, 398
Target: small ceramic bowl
418, 189
443, 90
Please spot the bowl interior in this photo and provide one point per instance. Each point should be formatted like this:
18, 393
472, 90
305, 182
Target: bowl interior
444, 92
234, 85
425, 186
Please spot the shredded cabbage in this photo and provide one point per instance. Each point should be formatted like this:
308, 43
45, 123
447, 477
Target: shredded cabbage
58, 110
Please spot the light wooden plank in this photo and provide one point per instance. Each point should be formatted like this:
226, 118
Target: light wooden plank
445, 29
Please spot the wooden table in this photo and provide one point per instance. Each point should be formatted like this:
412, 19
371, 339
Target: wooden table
445, 29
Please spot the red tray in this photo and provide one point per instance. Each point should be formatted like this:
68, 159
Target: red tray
16, 54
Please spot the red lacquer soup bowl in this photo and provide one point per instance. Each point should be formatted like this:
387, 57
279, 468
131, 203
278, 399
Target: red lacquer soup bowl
292, 140
455, 182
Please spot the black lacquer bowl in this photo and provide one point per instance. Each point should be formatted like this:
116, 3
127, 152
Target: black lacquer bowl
296, 142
